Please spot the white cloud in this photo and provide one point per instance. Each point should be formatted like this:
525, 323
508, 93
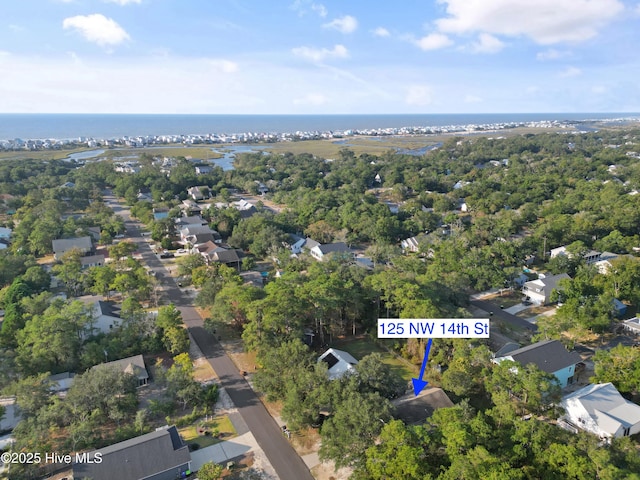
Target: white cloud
16, 28
419, 95
97, 28
545, 21
346, 24
433, 41
321, 54
599, 89
552, 54
487, 44
319, 9
570, 72
303, 7
381, 32
315, 99
225, 66
123, 2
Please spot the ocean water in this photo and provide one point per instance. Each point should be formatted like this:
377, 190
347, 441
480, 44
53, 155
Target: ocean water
104, 126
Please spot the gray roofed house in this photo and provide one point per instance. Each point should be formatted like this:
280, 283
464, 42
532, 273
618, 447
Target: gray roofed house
132, 365
539, 291
601, 410
159, 455
190, 220
62, 245
550, 356
191, 230
201, 238
320, 252
61, 382
92, 261
228, 257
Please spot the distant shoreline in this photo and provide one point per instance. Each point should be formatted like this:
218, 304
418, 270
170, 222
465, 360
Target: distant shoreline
251, 136
81, 128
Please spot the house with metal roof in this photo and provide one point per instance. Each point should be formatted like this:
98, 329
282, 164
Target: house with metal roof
338, 362
601, 410
550, 356
159, 455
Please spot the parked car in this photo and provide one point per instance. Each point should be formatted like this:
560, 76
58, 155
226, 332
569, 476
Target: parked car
166, 255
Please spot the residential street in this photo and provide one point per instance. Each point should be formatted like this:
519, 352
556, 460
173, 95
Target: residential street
281, 455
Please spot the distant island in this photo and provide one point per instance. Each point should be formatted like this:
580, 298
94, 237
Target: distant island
37, 144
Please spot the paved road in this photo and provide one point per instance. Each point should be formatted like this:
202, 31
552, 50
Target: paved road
502, 315
284, 459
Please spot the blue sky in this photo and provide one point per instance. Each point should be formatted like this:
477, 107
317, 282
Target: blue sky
308, 56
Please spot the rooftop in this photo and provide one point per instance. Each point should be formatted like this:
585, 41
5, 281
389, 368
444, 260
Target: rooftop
549, 355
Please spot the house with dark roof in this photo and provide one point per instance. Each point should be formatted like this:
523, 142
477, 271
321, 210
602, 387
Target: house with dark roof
321, 252
214, 253
550, 356
601, 410
338, 362
539, 291
106, 315
134, 366
187, 220
92, 261
159, 455
62, 245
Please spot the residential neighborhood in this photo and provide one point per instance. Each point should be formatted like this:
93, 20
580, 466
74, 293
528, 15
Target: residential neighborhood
185, 318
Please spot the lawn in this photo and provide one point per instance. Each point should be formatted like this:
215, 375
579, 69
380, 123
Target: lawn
363, 346
221, 424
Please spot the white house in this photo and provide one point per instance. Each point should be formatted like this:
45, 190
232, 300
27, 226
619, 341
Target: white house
601, 410
320, 252
590, 257
106, 316
338, 362
633, 325
539, 291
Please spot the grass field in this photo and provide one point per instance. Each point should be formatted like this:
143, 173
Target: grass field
222, 425
362, 347
203, 152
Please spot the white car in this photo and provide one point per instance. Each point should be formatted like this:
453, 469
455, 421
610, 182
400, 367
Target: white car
182, 250
120, 235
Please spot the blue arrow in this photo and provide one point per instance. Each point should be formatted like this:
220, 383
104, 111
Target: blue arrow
419, 383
